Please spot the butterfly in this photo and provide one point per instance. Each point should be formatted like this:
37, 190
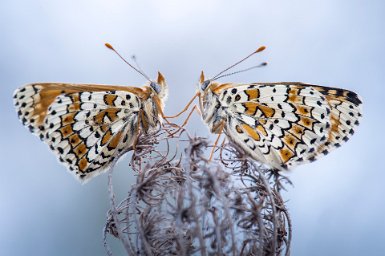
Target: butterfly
89, 126
280, 124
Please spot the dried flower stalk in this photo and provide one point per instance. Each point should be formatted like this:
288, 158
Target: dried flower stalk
185, 205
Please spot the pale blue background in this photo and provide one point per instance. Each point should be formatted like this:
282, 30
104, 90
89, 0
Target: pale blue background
337, 205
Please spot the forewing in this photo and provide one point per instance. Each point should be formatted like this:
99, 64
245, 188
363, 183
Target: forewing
32, 100
86, 127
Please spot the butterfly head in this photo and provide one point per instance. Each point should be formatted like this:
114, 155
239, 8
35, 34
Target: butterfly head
160, 87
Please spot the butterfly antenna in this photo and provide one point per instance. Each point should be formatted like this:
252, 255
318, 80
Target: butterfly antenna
263, 64
120, 56
260, 49
133, 57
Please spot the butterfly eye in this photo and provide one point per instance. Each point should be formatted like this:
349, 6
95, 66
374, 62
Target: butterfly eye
156, 87
205, 84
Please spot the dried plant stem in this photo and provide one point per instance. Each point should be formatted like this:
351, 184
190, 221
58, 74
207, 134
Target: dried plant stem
272, 201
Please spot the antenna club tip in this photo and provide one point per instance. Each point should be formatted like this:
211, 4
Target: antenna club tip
260, 49
264, 64
109, 46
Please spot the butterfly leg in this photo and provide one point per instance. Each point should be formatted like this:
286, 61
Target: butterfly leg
220, 128
221, 150
187, 119
189, 115
185, 108
159, 108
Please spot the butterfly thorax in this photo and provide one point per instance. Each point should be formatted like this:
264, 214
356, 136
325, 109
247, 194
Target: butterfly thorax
213, 111
150, 112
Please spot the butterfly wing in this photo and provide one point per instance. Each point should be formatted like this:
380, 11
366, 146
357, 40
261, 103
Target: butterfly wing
87, 126
284, 124
346, 112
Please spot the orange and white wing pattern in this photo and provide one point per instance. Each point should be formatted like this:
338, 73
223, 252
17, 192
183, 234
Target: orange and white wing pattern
282, 124
87, 126
346, 112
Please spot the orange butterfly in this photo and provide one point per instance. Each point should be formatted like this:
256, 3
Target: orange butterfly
281, 124
89, 126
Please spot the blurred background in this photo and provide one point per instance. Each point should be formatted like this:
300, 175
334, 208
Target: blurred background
337, 204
